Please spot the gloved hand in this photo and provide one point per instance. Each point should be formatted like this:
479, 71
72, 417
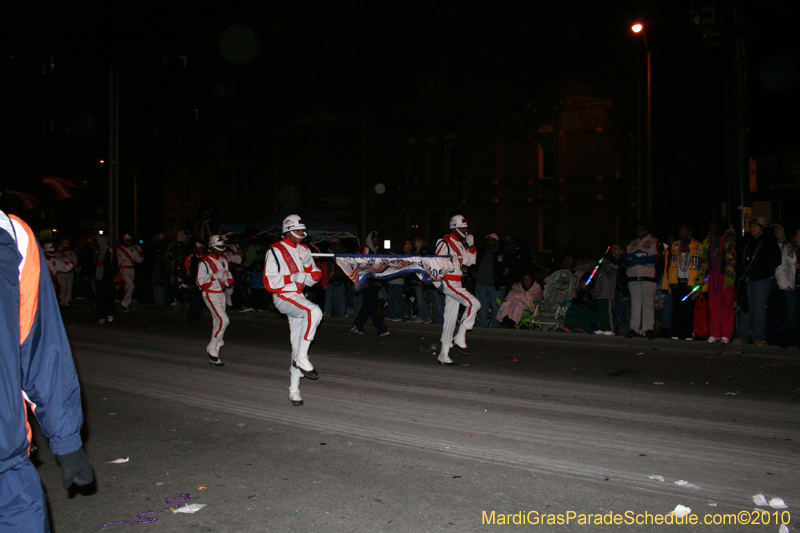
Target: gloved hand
300, 277
75, 468
219, 275
470, 238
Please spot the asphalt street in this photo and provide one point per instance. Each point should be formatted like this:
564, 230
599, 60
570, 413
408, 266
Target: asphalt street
532, 423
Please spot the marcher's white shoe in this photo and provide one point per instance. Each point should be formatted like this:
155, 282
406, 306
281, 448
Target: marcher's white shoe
302, 364
444, 357
609, 333
294, 397
599, 332
725, 340
712, 340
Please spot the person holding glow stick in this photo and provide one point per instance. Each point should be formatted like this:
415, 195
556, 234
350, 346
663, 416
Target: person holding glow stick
605, 287
681, 269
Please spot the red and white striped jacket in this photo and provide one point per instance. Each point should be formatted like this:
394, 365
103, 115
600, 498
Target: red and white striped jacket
213, 274
459, 255
286, 260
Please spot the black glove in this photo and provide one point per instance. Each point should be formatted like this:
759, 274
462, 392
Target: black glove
75, 468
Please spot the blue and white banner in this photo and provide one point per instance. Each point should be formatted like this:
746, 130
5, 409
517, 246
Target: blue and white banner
429, 268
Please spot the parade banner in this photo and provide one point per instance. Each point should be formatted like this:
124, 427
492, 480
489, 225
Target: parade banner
359, 268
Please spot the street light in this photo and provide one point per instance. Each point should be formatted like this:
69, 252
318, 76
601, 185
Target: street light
638, 28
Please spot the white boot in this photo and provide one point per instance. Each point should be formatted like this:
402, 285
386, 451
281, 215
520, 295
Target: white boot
444, 357
294, 391
302, 363
460, 341
212, 349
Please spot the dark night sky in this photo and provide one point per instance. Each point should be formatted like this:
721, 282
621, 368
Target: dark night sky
254, 66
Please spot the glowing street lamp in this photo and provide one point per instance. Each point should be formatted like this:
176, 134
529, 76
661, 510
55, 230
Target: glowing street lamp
639, 28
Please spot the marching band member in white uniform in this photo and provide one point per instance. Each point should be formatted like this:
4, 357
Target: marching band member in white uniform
127, 255
460, 246
288, 269
214, 278
66, 279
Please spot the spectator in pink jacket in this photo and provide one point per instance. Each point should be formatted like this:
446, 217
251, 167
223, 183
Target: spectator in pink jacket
520, 297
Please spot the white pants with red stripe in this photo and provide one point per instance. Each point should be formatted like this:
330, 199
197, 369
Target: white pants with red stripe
304, 318
127, 275
215, 301
455, 296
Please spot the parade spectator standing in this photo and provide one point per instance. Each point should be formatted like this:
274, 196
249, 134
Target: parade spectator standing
128, 254
158, 279
420, 289
288, 269
249, 266
719, 268
491, 281
193, 292
681, 276
395, 310
234, 257
776, 303
786, 278
105, 272
214, 278
518, 300
37, 367
605, 289
642, 257
336, 295
460, 246
66, 279
759, 257
523, 262
369, 309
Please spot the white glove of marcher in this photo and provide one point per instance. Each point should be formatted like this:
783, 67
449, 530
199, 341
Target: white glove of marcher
219, 275
470, 238
300, 277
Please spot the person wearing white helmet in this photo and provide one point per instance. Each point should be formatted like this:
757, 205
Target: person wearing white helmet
460, 246
66, 279
128, 253
55, 264
214, 278
288, 269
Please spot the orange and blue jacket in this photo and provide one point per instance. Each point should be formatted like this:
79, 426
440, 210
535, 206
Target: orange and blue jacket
37, 365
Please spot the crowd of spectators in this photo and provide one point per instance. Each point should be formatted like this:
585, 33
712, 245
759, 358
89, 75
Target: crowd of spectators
719, 287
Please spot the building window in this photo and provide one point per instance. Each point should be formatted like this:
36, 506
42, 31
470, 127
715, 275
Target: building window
433, 164
413, 161
547, 228
546, 156
453, 163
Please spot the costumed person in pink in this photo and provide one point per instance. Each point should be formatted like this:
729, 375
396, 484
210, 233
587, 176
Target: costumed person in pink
66, 279
288, 269
214, 278
127, 255
460, 246
519, 299
718, 256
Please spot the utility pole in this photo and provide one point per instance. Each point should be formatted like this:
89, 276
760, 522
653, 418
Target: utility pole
740, 108
113, 155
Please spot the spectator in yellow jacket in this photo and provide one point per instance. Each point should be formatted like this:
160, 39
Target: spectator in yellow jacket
681, 275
